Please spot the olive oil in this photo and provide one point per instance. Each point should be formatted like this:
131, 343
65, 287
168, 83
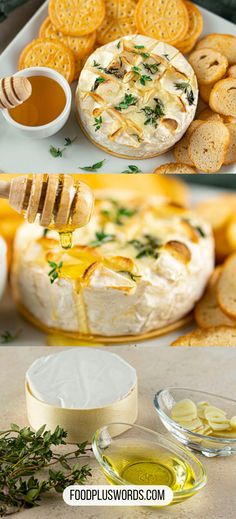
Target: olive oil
45, 104
143, 463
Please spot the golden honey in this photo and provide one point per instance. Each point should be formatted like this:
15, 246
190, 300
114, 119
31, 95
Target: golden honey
45, 104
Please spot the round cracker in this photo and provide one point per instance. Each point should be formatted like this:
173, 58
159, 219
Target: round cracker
174, 168
194, 30
165, 20
118, 22
76, 17
80, 45
209, 65
44, 52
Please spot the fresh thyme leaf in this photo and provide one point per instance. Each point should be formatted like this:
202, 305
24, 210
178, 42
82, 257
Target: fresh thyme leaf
94, 167
145, 55
55, 271
137, 137
137, 70
98, 123
118, 45
96, 64
56, 152
134, 277
129, 100
101, 238
144, 78
132, 169
153, 114
139, 46
200, 231
151, 67
7, 336
166, 56
147, 247
123, 212
97, 82
24, 454
186, 88
45, 232
69, 141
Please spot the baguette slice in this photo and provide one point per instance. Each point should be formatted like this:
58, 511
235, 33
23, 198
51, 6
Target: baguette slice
223, 97
209, 65
216, 336
181, 148
231, 153
224, 43
174, 168
208, 146
209, 115
207, 312
205, 92
218, 210
232, 71
226, 287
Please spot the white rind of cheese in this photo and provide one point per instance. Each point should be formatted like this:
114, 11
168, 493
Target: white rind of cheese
125, 132
3, 266
110, 303
81, 378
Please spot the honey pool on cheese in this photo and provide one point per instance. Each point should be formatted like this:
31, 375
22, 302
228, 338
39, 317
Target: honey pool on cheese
136, 97
140, 264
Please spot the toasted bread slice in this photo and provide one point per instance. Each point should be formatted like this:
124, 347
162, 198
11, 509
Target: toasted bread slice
226, 287
207, 311
208, 146
223, 97
218, 211
205, 92
231, 153
174, 168
224, 43
209, 65
216, 336
231, 232
181, 148
232, 71
209, 115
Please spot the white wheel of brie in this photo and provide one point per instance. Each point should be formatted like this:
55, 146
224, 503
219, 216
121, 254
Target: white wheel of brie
139, 265
3, 266
136, 97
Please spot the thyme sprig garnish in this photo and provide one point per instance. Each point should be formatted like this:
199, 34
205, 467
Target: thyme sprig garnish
100, 238
56, 152
129, 100
94, 167
97, 82
142, 77
153, 114
7, 337
186, 89
118, 213
147, 247
151, 67
132, 169
55, 271
69, 141
132, 276
98, 123
24, 454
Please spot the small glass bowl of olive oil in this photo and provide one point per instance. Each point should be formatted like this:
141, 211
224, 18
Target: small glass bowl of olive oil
141, 456
46, 111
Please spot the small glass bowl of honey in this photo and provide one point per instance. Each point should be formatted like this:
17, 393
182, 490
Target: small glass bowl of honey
140, 456
47, 109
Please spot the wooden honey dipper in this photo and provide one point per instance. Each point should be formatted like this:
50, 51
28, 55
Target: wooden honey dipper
57, 200
14, 91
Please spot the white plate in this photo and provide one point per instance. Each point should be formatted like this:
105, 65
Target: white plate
11, 321
23, 155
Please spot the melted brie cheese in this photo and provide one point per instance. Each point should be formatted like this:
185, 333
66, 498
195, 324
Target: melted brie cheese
136, 96
3, 266
140, 264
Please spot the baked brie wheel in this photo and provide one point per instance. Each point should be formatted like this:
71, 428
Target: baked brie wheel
139, 265
136, 97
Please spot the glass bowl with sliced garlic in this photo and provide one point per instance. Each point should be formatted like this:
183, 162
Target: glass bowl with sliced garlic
202, 421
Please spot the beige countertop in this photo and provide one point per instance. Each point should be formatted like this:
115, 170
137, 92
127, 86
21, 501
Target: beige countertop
210, 369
